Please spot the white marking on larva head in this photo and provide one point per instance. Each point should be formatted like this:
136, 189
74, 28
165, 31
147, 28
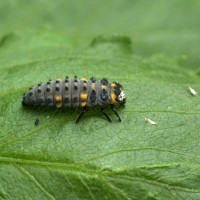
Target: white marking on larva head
192, 91
150, 121
122, 96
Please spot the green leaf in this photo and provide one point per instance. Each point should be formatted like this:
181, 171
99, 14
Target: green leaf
96, 159
168, 26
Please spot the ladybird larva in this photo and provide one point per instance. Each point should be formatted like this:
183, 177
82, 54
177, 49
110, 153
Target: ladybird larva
77, 93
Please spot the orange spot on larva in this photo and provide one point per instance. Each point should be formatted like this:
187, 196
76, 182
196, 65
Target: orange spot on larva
58, 102
113, 85
84, 79
83, 96
59, 105
83, 104
58, 98
113, 96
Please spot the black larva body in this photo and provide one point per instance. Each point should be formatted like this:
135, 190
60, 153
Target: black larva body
76, 92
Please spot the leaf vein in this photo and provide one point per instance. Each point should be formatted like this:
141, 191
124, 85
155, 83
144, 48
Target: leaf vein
136, 149
157, 183
25, 172
85, 184
115, 188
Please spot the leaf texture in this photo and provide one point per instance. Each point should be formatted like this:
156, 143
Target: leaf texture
95, 159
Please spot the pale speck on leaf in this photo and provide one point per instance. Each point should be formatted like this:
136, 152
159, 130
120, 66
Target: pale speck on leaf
192, 91
150, 121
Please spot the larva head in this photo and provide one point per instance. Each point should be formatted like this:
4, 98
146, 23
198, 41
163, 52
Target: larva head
120, 94
122, 97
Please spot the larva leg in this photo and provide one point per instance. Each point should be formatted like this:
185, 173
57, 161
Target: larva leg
113, 108
83, 112
103, 111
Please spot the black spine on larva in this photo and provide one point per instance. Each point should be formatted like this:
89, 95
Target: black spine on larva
83, 91
48, 93
104, 97
25, 100
58, 93
92, 92
39, 94
75, 94
66, 92
32, 96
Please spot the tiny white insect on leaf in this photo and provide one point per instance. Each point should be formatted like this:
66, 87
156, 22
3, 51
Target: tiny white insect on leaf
192, 91
150, 121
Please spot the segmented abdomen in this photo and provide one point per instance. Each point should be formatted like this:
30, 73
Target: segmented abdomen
72, 92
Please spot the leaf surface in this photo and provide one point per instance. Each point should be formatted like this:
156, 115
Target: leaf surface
96, 159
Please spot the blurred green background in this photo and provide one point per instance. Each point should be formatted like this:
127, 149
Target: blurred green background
170, 27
